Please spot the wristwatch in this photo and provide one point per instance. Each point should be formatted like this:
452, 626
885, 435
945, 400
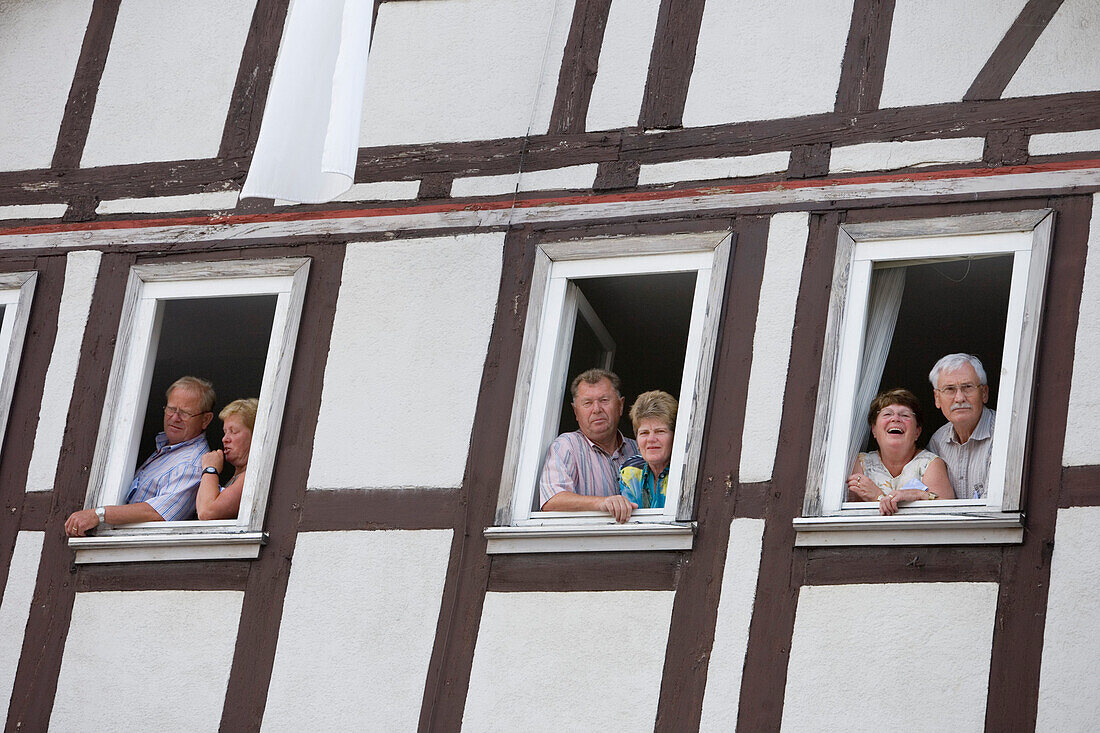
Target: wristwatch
210, 469
101, 512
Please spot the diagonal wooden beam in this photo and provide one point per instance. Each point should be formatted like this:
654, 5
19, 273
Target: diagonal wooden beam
1005, 60
671, 63
578, 66
864, 64
246, 106
77, 119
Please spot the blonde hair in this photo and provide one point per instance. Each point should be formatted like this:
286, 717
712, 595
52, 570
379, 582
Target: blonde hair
654, 404
244, 408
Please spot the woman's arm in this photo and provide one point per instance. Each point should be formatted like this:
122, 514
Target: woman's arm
860, 487
935, 478
211, 503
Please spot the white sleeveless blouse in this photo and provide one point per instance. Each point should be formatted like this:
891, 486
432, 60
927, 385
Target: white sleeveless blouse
912, 472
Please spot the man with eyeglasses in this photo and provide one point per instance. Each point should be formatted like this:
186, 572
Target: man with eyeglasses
165, 486
966, 441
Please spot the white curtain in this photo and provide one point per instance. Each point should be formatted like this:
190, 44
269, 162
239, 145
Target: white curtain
309, 138
887, 286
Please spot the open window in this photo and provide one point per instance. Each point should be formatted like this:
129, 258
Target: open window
16, 293
234, 323
646, 308
904, 294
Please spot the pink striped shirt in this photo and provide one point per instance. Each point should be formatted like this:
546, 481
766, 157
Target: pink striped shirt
574, 463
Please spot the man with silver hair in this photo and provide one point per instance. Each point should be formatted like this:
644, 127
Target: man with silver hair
966, 441
165, 485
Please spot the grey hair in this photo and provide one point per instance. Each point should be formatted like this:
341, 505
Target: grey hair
201, 386
954, 361
595, 376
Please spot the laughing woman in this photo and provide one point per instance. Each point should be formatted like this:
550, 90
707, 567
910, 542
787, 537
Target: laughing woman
643, 479
223, 502
897, 471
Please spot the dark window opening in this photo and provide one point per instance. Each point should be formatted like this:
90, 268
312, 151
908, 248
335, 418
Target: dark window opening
224, 340
648, 317
947, 307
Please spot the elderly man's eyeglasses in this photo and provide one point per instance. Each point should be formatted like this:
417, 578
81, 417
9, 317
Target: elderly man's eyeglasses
953, 389
169, 410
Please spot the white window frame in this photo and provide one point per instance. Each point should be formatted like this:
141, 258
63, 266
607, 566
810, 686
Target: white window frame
16, 294
148, 288
828, 519
551, 316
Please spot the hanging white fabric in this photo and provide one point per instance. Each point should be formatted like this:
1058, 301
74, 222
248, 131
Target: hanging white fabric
309, 137
887, 287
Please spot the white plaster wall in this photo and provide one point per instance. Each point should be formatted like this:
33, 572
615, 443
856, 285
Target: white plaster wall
905, 154
81, 270
357, 632
1052, 143
753, 63
731, 632
15, 608
32, 211
556, 179
623, 65
740, 166
937, 47
1080, 447
771, 344
222, 200
381, 191
147, 660
1064, 58
408, 344
899, 656
451, 70
1069, 687
39, 46
568, 661
169, 77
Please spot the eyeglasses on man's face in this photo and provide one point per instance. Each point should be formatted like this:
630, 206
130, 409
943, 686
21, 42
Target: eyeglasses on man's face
170, 410
953, 389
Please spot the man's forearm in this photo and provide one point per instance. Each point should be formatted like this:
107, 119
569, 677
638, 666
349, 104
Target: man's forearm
132, 513
567, 501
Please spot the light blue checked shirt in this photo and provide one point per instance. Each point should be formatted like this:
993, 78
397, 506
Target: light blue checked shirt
169, 479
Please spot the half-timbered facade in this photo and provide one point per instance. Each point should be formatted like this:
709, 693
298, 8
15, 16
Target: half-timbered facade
713, 196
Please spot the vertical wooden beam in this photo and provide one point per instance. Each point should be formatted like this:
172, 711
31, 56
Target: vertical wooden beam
671, 63
262, 611
695, 609
15, 457
772, 627
47, 628
578, 66
448, 678
1005, 60
1013, 697
246, 106
864, 64
77, 119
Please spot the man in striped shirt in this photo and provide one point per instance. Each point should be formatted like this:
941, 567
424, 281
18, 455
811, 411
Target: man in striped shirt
582, 467
164, 487
965, 443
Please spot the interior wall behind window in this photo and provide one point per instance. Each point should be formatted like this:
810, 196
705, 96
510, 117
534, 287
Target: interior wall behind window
948, 307
648, 317
224, 340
